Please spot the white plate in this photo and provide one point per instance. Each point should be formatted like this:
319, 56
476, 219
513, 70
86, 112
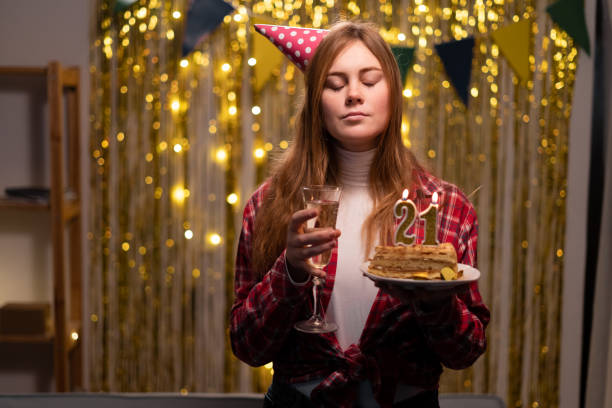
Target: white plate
470, 274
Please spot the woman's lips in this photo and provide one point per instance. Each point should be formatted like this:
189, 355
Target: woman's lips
354, 115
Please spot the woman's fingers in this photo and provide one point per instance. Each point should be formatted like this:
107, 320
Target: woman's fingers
306, 267
301, 245
300, 217
314, 237
309, 252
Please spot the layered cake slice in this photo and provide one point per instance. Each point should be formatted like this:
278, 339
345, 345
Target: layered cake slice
428, 262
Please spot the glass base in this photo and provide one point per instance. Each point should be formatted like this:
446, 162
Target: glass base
315, 325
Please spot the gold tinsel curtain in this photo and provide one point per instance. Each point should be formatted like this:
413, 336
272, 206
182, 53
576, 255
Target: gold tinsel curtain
178, 145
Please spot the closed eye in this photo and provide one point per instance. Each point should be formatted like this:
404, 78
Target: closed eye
334, 86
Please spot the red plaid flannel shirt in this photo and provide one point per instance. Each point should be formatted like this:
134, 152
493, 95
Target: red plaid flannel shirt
401, 342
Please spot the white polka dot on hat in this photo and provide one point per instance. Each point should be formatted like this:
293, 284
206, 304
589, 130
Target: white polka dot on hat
297, 43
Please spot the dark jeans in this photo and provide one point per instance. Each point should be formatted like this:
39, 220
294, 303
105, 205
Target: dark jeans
281, 395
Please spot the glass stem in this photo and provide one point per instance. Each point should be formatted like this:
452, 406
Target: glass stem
315, 287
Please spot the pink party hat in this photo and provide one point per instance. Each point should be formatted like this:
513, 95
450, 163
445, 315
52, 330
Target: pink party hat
299, 44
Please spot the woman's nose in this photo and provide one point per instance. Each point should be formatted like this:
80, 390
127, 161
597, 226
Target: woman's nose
353, 95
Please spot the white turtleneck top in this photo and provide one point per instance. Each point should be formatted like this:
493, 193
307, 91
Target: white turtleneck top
353, 293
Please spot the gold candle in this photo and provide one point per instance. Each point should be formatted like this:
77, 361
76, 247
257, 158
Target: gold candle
406, 211
430, 216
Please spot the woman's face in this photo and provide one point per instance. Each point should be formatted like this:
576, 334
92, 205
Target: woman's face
355, 98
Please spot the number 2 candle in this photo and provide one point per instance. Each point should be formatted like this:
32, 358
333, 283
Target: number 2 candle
406, 211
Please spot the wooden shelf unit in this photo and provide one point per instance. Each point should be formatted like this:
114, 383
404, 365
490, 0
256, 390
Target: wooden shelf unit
61, 82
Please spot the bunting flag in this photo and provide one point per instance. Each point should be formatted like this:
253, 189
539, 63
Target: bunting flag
122, 5
404, 57
203, 16
267, 56
569, 15
456, 57
513, 41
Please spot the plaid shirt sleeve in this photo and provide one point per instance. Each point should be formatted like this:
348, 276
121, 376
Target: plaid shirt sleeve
455, 328
264, 309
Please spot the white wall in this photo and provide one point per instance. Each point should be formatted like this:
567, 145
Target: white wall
32, 33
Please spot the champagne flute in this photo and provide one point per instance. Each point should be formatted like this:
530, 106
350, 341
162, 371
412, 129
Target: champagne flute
326, 199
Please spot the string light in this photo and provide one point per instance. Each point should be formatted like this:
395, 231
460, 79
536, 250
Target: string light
214, 239
221, 155
178, 194
141, 13
259, 153
188, 234
176, 14
232, 198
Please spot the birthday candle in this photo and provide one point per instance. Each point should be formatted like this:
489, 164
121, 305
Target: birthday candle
405, 210
430, 216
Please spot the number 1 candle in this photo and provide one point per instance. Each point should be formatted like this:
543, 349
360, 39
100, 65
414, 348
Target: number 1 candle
405, 210
430, 216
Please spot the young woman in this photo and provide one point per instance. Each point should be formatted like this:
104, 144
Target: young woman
391, 343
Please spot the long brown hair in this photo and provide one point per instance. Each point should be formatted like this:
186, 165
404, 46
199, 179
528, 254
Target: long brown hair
311, 158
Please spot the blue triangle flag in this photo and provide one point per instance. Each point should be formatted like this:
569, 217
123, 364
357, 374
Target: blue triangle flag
203, 16
457, 59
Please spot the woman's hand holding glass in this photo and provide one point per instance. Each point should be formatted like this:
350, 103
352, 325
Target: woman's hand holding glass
303, 244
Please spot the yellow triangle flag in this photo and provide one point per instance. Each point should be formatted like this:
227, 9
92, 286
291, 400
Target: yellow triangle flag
513, 42
268, 57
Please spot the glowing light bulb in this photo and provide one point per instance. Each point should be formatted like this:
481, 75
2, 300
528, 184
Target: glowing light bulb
184, 63
256, 110
177, 147
407, 93
214, 239
188, 234
178, 194
176, 14
232, 198
259, 153
252, 62
74, 335
175, 105
226, 67
221, 155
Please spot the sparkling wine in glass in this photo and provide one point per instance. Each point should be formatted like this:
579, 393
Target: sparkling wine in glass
326, 199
